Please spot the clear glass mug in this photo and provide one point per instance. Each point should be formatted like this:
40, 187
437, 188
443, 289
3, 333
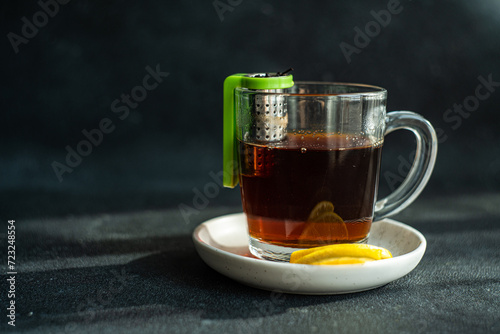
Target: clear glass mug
309, 163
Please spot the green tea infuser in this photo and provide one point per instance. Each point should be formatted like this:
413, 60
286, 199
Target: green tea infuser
268, 112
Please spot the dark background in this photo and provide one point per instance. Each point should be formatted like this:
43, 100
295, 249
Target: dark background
118, 210
65, 79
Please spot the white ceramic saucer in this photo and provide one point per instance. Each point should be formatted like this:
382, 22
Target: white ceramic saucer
223, 244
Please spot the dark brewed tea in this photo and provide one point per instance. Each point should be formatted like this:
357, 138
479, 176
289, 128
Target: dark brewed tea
310, 189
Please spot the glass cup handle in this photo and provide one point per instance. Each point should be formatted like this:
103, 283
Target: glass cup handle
420, 171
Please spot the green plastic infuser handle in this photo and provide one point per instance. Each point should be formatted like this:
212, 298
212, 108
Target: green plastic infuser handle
257, 81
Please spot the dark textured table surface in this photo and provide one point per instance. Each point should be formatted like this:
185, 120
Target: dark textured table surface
103, 248
139, 272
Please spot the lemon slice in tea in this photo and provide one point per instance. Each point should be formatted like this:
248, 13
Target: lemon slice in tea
323, 224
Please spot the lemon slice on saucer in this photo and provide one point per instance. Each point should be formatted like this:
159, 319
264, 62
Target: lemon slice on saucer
340, 254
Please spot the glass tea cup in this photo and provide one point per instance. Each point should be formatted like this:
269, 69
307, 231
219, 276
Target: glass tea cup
307, 158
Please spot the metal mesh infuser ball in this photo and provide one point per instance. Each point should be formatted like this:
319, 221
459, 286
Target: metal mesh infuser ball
270, 117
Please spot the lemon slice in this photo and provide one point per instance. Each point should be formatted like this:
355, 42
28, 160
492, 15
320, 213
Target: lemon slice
320, 209
323, 223
340, 254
